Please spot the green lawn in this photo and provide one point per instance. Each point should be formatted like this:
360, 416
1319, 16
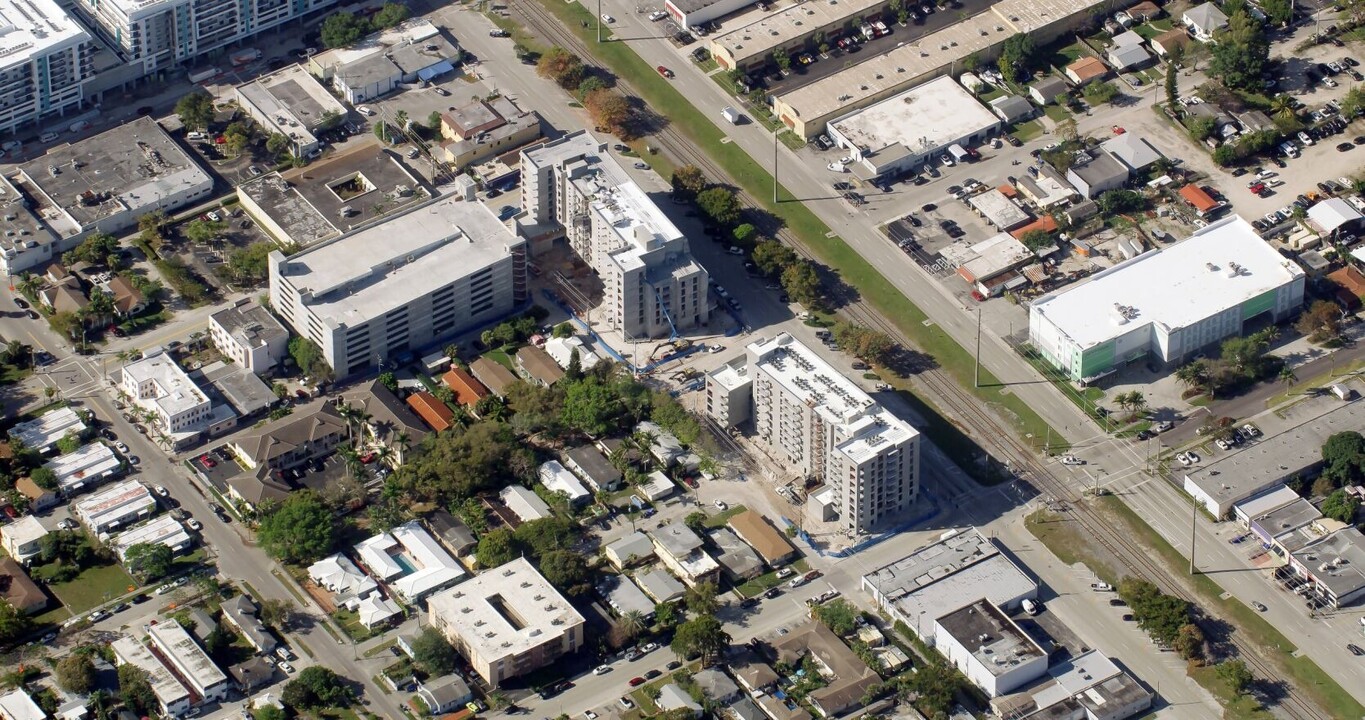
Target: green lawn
500, 356
874, 288
349, 621
708, 66
94, 586
1062, 536
719, 519
994, 93
1057, 113
1027, 131
761, 583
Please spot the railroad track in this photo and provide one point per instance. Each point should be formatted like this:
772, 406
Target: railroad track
987, 428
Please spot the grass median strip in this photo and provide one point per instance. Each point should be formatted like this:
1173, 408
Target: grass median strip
666, 101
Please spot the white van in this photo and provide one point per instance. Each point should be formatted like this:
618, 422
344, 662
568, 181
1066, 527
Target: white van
1031, 606
1342, 392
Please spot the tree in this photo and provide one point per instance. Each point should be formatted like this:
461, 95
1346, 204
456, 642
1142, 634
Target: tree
342, 29
195, 110
1340, 506
1320, 322
316, 686
688, 181
434, 654
148, 562
782, 59
666, 614
744, 233
1240, 53
935, 689
1189, 642
1352, 104
251, 264
76, 673
1099, 93
1193, 375
13, 622
1235, 674
590, 407
1278, 12
633, 623
562, 330
561, 66
135, 689
1035, 239
608, 109
268, 712
1016, 57
69, 443
381, 130
567, 570
1283, 106
839, 616
701, 599
276, 144
43, 477
203, 231
720, 204
1115, 202
1172, 90
1343, 457
590, 84
307, 355
802, 283
772, 257
865, 343
1200, 128
696, 522
389, 15
703, 636
497, 547
277, 613
300, 530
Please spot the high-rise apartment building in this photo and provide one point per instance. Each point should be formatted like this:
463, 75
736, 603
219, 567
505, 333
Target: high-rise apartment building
822, 425
165, 33
401, 285
45, 56
652, 286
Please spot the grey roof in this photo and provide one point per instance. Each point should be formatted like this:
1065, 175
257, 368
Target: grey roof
676, 539
250, 324
672, 697
735, 555
283, 435
745, 709
452, 531
624, 596
1206, 17
243, 390
241, 612
1337, 562
715, 684
252, 673
660, 585
1050, 87
594, 464
448, 689
1012, 107
389, 416
1133, 150
636, 544
1101, 169
1126, 56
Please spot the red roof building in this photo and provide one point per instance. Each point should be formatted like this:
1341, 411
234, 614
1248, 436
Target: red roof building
432, 411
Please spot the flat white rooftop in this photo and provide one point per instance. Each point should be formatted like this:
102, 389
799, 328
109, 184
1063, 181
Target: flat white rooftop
934, 51
87, 466
114, 502
1196, 279
46, 429
410, 560
634, 218
505, 611
732, 375
164, 530
164, 685
557, 478
408, 32
804, 374
360, 276
573, 145
33, 28
925, 117
758, 38
294, 101
176, 393
190, 660
17, 705
873, 433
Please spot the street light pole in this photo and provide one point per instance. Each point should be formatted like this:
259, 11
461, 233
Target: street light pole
775, 166
976, 378
599, 21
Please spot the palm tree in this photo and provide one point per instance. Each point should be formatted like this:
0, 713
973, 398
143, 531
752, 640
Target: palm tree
633, 623
1282, 106
1193, 374
402, 441
401, 118
1137, 402
352, 458
1287, 377
383, 453
30, 284
348, 414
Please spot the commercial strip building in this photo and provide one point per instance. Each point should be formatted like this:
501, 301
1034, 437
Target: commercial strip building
1213, 284
170, 694
45, 59
485, 128
809, 108
906, 130
652, 285
821, 425
33, 244
409, 560
370, 297
376, 65
752, 45
116, 506
993, 652
249, 336
507, 621
87, 467
106, 182
291, 102
188, 661
43, 432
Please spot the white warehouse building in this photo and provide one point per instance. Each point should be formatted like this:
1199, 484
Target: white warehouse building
45, 57
913, 127
401, 285
1210, 286
652, 285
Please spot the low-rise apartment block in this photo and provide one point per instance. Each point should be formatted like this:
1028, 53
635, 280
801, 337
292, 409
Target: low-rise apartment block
179, 409
85, 468
118, 505
373, 296
507, 621
188, 661
653, 286
23, 539
250, 336
172, 696
162, 530
681, 551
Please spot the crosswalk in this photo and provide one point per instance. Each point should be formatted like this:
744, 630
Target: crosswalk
71, 378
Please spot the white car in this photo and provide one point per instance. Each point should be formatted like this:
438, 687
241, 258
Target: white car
121, 447
735, 250
214, 216
608, 19
1193, 456
286, 667
441, 91
161, 491
12, 145
194, 525
48, 137
657, 15
836, 167
1222, 444
1250, 430
1266, 174
1305, 138
721, 506
1184, 459
626, 703
364, 110
1072, 460
947, 161
845, 160
601, 670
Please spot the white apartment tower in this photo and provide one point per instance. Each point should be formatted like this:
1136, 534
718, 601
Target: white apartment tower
165, 33
824, 426
652, 286
45, 56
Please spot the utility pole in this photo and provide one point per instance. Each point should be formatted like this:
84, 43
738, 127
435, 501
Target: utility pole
775, 166
599, 21
976, 378
1194, 515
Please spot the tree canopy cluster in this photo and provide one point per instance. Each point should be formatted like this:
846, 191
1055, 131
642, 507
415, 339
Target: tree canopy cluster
1166, 618
343, 28
299, 530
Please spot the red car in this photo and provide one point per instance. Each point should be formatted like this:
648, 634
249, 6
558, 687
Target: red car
637, 681
1118, 130
367, 458
207, 462
1257, 188
665, 72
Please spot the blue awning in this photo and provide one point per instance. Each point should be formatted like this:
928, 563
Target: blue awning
439, 68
